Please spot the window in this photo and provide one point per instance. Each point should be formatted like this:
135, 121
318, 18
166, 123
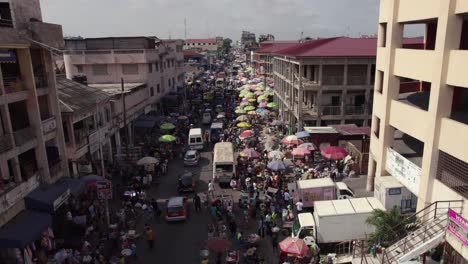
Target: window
161, 66
100, 69
380, 81
376, 122
169, 82
79, 68
158, 88
382, 34
5, 15
156, 66
173, 81
151, 91
165, 64
107, 115
150, 67
130, 68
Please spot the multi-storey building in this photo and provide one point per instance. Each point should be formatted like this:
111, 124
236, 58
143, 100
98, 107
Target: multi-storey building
267, 37
263, 56
32, 149
207, 44
247, 39
325, 81
420, 136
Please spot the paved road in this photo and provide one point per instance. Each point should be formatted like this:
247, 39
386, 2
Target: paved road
178, 242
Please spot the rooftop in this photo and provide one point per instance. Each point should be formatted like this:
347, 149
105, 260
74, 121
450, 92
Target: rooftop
76, 97
115, 88
274, 46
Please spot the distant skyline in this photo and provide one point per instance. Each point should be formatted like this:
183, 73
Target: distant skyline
285, 19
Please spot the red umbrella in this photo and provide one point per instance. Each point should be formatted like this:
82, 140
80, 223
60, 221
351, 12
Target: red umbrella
295, 246
217, 244
246, 134
309, 146
300, 152
334, 153
291, 139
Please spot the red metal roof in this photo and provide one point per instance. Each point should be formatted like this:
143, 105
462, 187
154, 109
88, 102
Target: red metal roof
206, 40
333, 47
272, 47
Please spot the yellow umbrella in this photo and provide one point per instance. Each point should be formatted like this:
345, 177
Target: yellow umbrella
252, 113
252, 100
244, 125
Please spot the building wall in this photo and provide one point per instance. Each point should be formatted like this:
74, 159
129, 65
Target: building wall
212, 46
440, 65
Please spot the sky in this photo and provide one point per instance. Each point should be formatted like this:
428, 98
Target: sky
285, 19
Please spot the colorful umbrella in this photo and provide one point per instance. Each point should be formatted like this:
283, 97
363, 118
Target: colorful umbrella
309, 146
291, 139
147, 160
302, 134
182, 117
262, 98
250, 153
242, 118
334, 153
272, 105
240, 111
252, 113
262, 104
276, 165
246, 134
276, 154
244, 104
258, 93
167, 126
244, 125
259, 110
249, 108
300, 152
295, 246
277, 123
252, 100
217, 244
167, 138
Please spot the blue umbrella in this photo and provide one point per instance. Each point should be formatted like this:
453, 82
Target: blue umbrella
276, 165
302, 134
259, 110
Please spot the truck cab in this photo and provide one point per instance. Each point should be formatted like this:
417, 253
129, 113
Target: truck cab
303, 226
343, 191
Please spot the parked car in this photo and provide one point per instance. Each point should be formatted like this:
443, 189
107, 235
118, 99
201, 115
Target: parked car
176, 209
187, 182
191, 158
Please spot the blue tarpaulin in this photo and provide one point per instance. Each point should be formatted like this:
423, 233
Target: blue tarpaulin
24, 228
47, 198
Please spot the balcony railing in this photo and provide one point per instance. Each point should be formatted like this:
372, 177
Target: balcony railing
6, 143
354, 110
23, 135
331, 110
332, 80
13, 84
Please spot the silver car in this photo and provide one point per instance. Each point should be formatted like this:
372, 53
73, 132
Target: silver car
191, 158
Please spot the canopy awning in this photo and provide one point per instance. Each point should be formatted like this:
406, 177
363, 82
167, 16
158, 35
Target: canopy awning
24, 228
145, 123
47, 198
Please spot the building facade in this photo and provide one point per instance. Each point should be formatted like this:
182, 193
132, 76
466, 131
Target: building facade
419, 136
267, 37
207, 44
263, 56
325, 82
32, 149
247, 39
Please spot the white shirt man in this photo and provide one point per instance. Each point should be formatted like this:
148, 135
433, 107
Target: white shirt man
286, 196
211, 188
299, 206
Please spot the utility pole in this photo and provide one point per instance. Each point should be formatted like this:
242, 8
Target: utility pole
124, 116
185, 29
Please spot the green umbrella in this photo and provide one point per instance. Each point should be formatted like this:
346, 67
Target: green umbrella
167, 126
249, 108
272, 105
240, 111
167, 138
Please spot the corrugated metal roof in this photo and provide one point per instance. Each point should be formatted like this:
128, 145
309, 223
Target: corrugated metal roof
76, 97
205, 40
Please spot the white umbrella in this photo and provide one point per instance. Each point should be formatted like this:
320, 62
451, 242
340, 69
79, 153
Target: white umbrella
276, 154
147, 160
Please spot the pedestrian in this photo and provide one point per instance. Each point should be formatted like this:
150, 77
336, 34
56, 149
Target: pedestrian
233, 227
211, 188
274, 242
197, 202
261, 228
299, 206
286, 197
156, 210
149, 237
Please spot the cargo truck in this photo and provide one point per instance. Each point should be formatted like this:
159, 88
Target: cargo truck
321, 189
335, 221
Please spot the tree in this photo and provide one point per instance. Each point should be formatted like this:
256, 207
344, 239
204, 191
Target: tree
390, 225
227, 45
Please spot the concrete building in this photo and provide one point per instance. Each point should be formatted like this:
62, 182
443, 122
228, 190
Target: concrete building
263, 56
419, 136
325, 82
267, 37
32, 148
206, 44
247, 39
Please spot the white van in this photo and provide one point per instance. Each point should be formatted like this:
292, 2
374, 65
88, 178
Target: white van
195, 138
224, 163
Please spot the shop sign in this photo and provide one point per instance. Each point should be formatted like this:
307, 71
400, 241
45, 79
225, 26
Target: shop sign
408, 173
458, 226
104, 190
61, 199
